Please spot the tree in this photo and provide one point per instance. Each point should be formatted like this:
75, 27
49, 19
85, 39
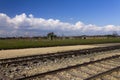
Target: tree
114, 34
51, 35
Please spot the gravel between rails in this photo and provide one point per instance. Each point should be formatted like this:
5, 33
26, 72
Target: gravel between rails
113, 74
82, 72
23, 69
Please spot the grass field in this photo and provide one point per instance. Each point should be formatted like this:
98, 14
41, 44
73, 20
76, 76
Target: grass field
27, 43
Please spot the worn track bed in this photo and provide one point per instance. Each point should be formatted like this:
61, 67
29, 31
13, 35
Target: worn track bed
113, 74
18, 68
88, 71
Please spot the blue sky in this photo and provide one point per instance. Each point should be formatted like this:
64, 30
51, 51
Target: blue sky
96, 12
99, 12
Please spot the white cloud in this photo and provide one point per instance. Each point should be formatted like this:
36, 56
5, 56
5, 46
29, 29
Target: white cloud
22, 24
111, 28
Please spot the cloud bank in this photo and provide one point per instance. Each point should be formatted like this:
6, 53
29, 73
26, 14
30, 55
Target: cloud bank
28, 25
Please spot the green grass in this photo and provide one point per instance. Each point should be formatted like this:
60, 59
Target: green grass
16, 44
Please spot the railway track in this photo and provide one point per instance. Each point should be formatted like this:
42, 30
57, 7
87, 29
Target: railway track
94, 70
113, 74
22, 67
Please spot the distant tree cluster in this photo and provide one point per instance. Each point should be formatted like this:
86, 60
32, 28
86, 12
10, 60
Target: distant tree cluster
51, 35
114, 34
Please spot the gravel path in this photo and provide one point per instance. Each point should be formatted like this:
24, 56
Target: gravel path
36, 51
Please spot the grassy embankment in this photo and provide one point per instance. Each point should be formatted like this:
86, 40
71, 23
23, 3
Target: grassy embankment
16, 44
